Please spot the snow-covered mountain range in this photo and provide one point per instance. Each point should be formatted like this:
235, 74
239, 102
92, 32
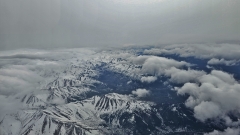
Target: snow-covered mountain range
91, 92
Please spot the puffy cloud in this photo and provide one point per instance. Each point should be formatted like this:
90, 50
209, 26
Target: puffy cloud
189, 88
213, 95
148, 79
149, 68
218, 78
139, 60
215, 61
228, 131
182, 76
157, 65
141, 92
206, 110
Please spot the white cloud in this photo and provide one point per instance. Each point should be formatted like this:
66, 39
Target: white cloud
206, 110
11, 85
141, 92
157, 65
222, 61
213, 95
14, 80
228, 131
25, 72
139, 60
149, 68
206, 51
148, 79
183, 76
189, 88
218, 78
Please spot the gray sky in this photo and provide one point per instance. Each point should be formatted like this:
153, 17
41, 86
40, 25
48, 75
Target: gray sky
76, 23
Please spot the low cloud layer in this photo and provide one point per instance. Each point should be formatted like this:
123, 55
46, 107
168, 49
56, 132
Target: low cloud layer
21, 73
17, 79
28, 71
218, 53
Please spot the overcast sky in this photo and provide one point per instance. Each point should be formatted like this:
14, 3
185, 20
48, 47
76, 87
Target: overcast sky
77, 23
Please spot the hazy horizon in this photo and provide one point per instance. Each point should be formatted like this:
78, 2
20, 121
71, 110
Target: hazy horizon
70, 24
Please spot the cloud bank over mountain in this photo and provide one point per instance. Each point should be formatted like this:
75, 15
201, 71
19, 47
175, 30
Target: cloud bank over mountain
26, 71
217, 53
